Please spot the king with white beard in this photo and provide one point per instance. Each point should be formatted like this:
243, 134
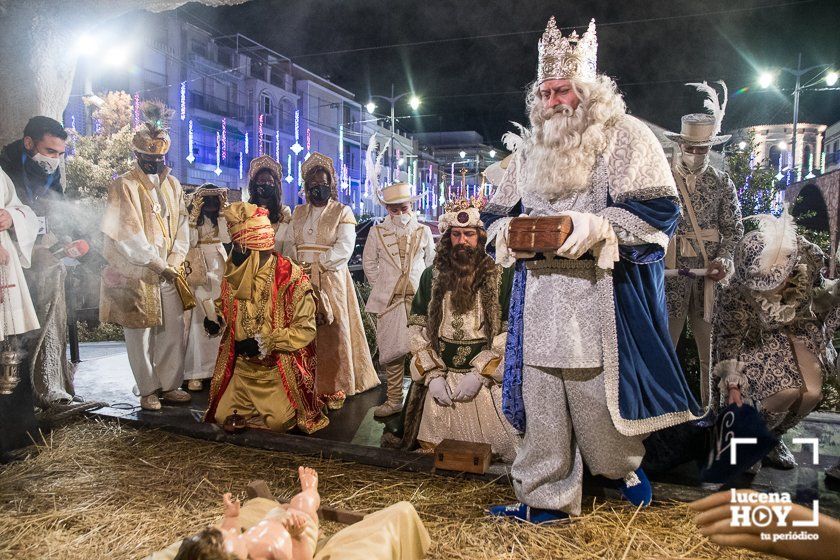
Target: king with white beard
589, 368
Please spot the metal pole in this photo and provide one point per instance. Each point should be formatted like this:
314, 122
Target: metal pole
796, 115
391, 155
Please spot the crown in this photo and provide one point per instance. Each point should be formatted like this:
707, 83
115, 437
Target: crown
478, 202
569, 58
462, 212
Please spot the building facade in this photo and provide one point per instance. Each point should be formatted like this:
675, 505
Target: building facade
774, 143
234, 100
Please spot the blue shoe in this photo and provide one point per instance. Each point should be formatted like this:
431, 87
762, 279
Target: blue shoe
636, 488
523, 512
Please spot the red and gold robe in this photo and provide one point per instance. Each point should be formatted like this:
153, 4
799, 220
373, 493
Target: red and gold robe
296, 368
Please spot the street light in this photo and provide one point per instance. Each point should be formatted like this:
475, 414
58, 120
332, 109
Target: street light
87, 45
116, 56
742, 145
766, 79
414, 103
492, 153
782, 145
831, 78
463, 154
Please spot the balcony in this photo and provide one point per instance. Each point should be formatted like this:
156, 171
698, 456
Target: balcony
217, 106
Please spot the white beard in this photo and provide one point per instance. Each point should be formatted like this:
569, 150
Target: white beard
561, 153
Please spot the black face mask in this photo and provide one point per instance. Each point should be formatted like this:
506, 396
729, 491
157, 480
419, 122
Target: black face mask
239, 257
319, 193
151, 166
264, 191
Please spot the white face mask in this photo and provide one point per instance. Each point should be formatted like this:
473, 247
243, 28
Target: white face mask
405, 218
48, 164
694, 162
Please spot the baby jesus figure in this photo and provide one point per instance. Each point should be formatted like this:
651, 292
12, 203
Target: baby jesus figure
287, 532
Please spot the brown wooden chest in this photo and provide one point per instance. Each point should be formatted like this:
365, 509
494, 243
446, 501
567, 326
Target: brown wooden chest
542, 234
464, 456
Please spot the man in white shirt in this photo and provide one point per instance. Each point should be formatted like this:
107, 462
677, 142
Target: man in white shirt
397, 251
146, 241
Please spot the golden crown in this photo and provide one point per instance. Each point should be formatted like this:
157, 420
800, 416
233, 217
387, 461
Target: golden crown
478, 202
569, 58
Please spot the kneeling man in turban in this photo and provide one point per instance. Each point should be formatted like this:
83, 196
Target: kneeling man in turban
266, 315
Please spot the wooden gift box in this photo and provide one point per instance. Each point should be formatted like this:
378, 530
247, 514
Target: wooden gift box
536, 235
464, 456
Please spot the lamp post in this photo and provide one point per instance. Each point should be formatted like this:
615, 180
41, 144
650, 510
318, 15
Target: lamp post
766, 79
414, 103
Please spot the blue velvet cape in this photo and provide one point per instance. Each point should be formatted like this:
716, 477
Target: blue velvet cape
651, 382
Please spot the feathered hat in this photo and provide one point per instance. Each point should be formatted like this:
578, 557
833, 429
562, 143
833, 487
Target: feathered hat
152, 136
701, 129
765, 257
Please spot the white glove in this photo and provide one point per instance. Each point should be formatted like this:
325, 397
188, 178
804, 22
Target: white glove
468, 387
588, 231
439, 390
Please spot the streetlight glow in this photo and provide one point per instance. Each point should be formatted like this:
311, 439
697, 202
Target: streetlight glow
414, 102
400, 161
492, 153
87, 45
463, 154
765, 80
371, 107
782, 145
116, 56
831, 78
742, 145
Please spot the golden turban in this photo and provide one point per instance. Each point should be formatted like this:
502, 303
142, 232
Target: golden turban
249, 226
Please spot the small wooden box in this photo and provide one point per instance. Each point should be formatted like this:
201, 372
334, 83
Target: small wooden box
542, 234
464, 456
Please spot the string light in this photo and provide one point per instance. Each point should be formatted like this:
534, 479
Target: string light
308, 143
289, 177
246, 142
183, 100
240, 165
218, 170
296, 147
277, 145
224, 138
260, 135
190, 156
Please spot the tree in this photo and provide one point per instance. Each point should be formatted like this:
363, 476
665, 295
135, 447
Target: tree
756, 185
98, 158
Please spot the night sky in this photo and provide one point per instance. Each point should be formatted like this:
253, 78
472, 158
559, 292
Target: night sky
470, 61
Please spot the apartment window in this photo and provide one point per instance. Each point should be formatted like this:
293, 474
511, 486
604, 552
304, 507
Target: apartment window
265, 102
198, 47
267, 145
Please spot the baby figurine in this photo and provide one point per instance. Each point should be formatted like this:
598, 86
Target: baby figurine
287, 532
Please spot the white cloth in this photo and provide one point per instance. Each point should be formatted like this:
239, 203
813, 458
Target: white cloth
18, 312
156, 354
201, 348
335, 257
383, 266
